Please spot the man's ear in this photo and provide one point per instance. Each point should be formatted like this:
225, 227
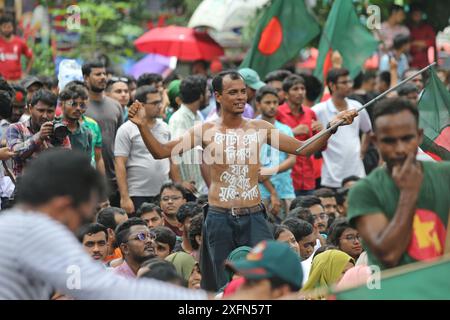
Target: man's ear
178, 101
373, 137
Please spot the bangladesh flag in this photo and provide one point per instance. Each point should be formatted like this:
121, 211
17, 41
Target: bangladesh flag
285, 28
434, 117
418, 281
344, 32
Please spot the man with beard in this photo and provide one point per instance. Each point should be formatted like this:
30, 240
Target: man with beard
94, 238
11, 50
109, 116
195, 96
401, 209
28, 139
136, 243
73, 101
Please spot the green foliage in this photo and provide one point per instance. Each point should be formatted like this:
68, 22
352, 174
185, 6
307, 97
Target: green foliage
43, 63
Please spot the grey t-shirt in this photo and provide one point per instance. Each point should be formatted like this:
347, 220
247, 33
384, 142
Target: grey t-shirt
145, 175
109, 115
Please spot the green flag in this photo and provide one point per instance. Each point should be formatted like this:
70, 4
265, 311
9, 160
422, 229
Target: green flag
344, 32
416, 281
434, 117
284, 29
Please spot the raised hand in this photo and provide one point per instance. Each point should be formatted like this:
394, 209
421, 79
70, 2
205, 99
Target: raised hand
136, 113
408, 176
347, 116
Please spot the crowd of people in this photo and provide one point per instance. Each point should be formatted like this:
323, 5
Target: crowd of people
196, 181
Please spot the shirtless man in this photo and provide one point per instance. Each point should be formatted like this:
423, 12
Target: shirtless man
231, 147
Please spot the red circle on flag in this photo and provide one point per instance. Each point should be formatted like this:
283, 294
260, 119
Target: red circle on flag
428, 236
271, 37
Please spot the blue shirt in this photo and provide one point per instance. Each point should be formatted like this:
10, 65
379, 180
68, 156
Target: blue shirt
271, 157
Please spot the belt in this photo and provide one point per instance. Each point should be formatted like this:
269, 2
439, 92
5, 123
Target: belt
239, 211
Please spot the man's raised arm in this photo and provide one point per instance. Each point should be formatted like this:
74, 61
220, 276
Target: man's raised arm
159, 150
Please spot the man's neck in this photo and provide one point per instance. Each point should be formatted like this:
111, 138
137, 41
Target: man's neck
71, 124
391, 21
172, 220
339, 102
295, 108
151, 122
194, 107
7, 38
96, 96
34, 127
231, 120
268, 119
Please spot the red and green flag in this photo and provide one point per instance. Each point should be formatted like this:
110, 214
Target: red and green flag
285, 28
344, 32
434, 117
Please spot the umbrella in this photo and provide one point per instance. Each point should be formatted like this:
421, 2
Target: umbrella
152, 63
181, 42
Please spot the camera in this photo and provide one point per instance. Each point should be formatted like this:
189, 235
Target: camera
60, 132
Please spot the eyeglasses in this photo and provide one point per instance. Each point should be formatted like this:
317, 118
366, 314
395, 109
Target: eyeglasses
141, 236
322, 216
173, 198
117, 79
75, 104
351, 237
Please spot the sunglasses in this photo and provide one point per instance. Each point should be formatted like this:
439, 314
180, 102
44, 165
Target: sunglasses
142, 236
118, 79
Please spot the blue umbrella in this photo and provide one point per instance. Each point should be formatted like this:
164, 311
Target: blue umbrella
152, 63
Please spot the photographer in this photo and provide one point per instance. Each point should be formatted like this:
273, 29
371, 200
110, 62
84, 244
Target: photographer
27, 139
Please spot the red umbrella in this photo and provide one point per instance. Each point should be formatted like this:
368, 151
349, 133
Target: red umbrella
184, 43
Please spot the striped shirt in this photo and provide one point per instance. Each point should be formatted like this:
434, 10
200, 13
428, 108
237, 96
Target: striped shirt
39, 255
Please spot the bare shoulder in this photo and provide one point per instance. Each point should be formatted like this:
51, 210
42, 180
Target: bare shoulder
259, 124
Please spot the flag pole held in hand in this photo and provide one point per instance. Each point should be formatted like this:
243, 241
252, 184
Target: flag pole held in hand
379, 97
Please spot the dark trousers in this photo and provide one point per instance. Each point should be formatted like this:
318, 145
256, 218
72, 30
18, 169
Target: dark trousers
303, 192
222, 233
138, 201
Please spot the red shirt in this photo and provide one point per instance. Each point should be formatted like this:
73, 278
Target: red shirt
10, 53
303, 170
420, 55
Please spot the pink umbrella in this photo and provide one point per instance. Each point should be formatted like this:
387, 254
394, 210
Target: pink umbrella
181, 42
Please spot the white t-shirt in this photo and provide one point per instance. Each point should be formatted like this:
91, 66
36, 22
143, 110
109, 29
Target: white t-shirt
145, 175
342, 155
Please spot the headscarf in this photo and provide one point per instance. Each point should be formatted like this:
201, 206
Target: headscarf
236, 255
183, 262
354, 277
327, 268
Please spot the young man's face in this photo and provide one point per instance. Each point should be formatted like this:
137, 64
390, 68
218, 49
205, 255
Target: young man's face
320, 217
278, 86
268, 105
329, 205
350, 242
396, 136
32, 89
96, 245
119, 92
171, 201
74, 108
137, 249
306, 246
296, 94
18, 109
417, 80
287, 237
233, 96
152, 218
153, 105
7, 29
41, 113
343, 86
96, 81
162, 249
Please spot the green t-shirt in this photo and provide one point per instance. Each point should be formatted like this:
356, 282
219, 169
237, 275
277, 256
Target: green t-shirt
377, 193
93, 126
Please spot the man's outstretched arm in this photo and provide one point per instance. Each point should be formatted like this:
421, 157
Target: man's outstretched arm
159, 150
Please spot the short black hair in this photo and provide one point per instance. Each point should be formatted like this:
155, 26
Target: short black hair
195, 229
143, 91
90, 229
299, 228
60, 172
73, 92
400, 40
188, 210
49, 82
309, 201
395, 7
391, 106
7, 94
385, 76
277, 75
264, 91
192, 88
334, 74
324, 193
106, 216
301, 213
165, 235
148, 207
291, 81
313, 86
172, 185
336, 229
6, 19
406, 89
278, 229
217, 82
123, 229
148, 79
45, 96
161, 270
89, 65
75, 83
349, 178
